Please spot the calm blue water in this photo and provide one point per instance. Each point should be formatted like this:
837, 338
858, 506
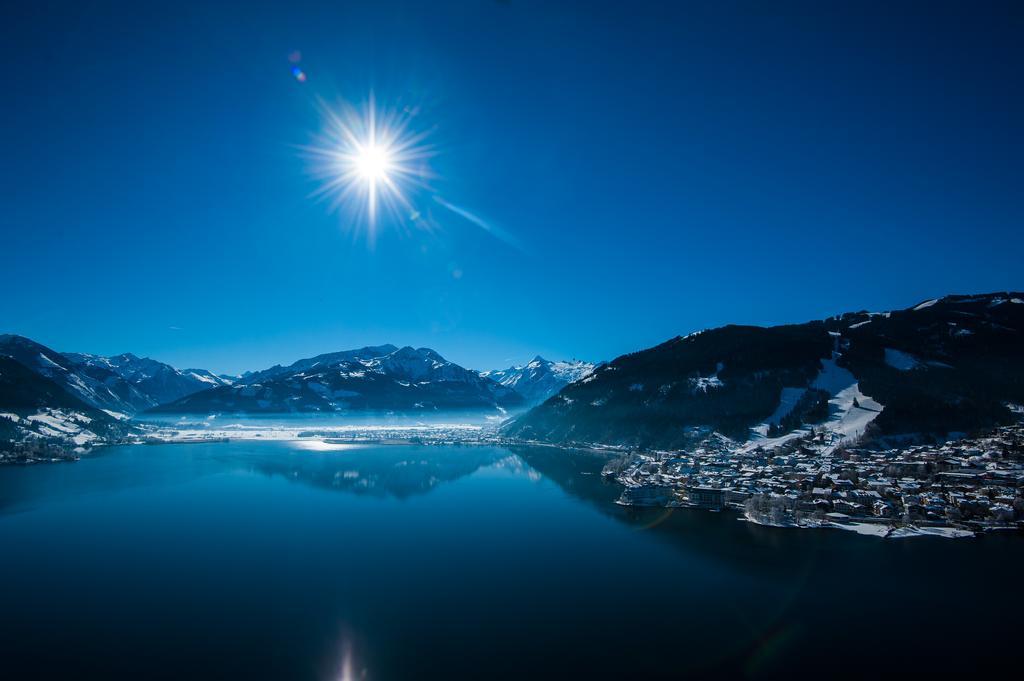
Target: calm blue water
273, 560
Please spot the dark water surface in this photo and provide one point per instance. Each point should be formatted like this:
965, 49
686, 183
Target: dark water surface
278, 560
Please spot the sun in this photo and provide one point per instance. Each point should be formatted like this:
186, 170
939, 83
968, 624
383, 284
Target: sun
368, 160
373, 162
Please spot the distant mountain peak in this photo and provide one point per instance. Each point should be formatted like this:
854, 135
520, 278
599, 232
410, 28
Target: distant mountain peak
127, 357
539, 378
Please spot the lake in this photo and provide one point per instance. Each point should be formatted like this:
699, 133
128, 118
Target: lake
302, 560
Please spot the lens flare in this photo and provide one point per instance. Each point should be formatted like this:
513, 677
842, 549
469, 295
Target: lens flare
370, 160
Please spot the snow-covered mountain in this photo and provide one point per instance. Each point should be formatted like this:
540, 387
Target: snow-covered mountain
946, 365
97, 386
320, 361
158, 383
539, 379
124, 384
35, 408
383, 378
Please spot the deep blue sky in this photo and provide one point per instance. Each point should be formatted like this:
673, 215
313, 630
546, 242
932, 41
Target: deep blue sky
666, 167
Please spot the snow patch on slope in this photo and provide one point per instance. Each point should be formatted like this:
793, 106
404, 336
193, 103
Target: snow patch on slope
62, 424
846, 421
900, 360
787, 400
705, 383
850, 410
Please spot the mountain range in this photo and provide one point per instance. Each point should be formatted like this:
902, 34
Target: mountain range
946, 365
124, 384
157, 382
378, 378
384, 378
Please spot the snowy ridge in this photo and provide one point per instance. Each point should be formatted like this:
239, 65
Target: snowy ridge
155, 382
100, 388
539, 379
124, 383
383, 377
943, 365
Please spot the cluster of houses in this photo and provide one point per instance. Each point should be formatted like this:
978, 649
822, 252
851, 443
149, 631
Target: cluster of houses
972, 483
37, 450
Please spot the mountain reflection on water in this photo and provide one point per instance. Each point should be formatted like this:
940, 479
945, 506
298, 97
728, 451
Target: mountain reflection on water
399, 471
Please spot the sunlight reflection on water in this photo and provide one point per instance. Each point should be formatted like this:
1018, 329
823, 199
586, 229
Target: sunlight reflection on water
322, 446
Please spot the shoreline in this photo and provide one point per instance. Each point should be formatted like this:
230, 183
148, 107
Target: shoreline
467, 434
879, 530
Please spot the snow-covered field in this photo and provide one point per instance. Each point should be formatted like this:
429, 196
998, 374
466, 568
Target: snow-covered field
58, 424
193, 431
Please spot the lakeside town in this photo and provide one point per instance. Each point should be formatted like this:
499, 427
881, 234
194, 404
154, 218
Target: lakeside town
957, 488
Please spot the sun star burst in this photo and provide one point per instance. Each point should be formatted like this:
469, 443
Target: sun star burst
368, 160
